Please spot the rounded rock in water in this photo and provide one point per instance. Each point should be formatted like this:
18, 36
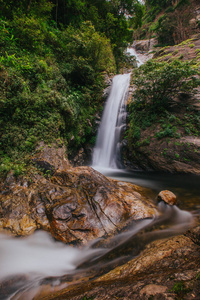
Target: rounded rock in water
168, 197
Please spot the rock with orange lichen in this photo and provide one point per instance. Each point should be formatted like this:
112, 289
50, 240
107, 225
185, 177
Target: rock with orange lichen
167, 196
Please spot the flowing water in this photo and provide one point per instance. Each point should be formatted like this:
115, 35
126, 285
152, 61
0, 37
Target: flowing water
28, 265
107, 149
139, 60
106, 153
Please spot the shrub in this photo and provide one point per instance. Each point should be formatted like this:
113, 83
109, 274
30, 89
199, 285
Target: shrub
158, 83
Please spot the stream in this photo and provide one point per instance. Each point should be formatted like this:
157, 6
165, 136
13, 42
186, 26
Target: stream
30, 266
37, 265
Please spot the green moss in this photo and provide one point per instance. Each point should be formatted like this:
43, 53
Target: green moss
180, 289
176, 155
186, 42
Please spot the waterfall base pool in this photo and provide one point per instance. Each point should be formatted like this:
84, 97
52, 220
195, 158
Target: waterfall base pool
185, 187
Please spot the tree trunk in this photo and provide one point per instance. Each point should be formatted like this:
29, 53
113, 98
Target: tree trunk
29, 5
57, 12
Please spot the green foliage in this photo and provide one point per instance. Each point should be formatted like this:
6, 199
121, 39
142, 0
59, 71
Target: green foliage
160, 3
7, 165
179, 288
168, 21
86, 298
169, 130
51, 82
39, 8
135, 133
108, 17
173, 27
157, 83
159, 87
139, 12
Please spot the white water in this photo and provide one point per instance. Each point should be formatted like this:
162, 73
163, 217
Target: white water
113, 120
139, 60
106, 153
39, 256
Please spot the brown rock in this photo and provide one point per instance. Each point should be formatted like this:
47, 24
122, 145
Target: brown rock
153, 274
167, 196
153, 289
51, 158
84, 205
75, 204
145, 45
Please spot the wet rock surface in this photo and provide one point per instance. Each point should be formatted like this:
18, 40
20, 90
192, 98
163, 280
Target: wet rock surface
186, 160
144, 46
75, 204
166, 269
167, 196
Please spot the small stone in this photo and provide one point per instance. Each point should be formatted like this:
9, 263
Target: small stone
153, 289
167, 196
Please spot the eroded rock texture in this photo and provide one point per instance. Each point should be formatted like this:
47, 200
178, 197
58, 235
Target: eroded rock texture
75, 204
166, 269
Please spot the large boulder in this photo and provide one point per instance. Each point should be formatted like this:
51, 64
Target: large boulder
145, 45
75, 204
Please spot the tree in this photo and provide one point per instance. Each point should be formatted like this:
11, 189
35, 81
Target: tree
161, 3
10, 8
174, 27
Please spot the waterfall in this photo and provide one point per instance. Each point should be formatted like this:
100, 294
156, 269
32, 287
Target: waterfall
139, 60
106, 153
107, 149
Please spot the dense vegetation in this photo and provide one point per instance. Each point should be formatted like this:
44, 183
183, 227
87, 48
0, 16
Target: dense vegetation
164, 115
54, 55
159, 87
168, 21
53, 59
164, 110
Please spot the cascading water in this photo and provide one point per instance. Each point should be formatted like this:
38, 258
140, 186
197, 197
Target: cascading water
106, 151
26, 264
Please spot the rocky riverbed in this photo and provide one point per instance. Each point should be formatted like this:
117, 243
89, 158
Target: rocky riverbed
166, 269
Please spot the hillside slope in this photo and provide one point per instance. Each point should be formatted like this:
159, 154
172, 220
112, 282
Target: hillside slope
164, 113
